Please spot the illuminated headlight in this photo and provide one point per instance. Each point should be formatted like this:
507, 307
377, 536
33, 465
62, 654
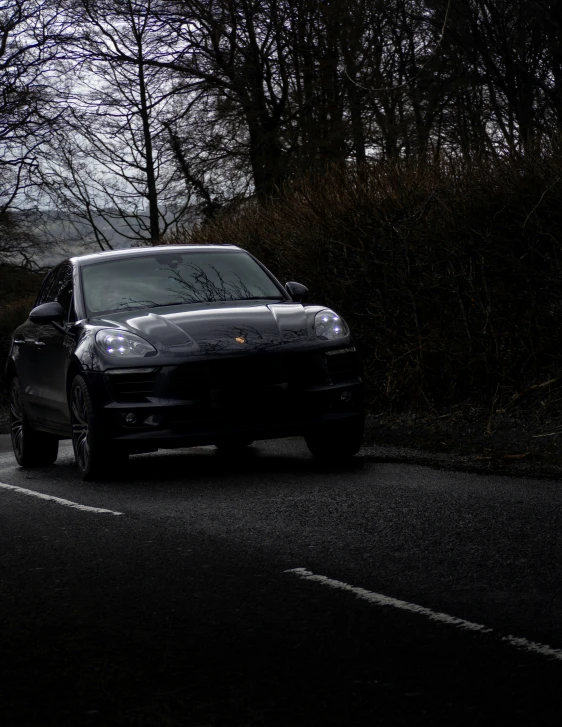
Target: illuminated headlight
329, 326
123, 343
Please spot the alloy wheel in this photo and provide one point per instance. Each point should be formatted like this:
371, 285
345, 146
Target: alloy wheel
80, 428
16, 419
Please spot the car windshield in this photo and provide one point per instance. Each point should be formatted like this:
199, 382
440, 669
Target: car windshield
174, 278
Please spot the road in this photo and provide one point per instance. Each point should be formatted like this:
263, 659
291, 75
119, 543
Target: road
263, 589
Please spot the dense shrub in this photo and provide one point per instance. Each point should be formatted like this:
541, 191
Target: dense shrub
449, 273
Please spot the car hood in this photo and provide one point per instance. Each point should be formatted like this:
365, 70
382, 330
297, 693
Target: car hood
218, 327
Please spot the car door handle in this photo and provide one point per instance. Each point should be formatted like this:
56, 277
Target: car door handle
19, 342
40, 343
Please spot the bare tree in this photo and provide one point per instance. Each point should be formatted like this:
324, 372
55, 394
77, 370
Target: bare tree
235, 51
113, 165
170, 102
32, 33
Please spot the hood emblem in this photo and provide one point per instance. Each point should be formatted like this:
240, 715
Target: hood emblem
239, 339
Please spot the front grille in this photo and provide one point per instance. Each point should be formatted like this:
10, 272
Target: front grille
132, 386
342, 366
192, 379
304, 369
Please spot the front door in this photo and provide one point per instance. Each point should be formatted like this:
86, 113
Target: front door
54, 349
27, 356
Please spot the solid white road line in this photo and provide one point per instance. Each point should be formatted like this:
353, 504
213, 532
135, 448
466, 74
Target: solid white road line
58, 500
380, 600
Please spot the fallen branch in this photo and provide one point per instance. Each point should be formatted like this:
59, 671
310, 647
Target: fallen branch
519, 394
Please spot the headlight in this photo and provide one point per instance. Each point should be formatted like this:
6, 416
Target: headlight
329, 326
123, 343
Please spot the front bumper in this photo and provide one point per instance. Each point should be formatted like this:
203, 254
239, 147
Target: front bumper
167, 409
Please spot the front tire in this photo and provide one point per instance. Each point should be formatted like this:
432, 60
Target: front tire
31, 448
337, 441
95, 455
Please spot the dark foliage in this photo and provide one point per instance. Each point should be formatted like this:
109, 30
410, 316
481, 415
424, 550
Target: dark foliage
450, 273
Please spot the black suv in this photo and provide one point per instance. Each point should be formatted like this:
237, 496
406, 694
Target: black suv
134, 350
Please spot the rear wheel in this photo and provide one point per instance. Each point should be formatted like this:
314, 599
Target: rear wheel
336, 441
31, 448
95, 455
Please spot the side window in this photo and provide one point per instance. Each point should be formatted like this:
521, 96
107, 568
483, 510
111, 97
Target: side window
64, 291
47, 292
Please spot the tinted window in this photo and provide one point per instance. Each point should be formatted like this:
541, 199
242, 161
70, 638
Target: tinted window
48, 289
63, 290
58, 287
174, 278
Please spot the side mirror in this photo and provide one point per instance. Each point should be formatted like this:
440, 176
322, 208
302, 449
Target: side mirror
296, 291
47, 313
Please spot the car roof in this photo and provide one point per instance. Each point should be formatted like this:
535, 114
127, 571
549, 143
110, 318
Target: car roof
137, 251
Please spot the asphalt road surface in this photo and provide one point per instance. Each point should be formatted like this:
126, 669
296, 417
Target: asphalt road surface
262, 589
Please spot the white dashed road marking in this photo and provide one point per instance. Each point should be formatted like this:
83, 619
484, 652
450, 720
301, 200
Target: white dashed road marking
380, 600
58, 500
